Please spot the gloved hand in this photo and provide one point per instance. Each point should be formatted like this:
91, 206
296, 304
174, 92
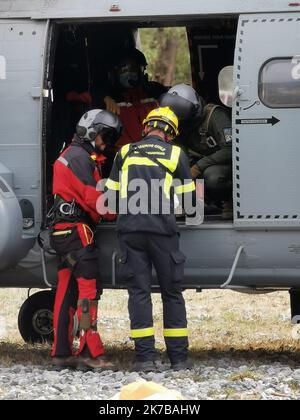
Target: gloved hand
195, 172
111, 105
83, 97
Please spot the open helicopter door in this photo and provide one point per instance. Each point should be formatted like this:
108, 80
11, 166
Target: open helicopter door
266, 117
22, 51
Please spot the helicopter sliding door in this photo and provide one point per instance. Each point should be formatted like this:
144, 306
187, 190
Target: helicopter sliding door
266, 118
22, 49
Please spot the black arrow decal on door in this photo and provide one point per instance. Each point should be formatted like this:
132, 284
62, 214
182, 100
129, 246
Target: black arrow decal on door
250, 121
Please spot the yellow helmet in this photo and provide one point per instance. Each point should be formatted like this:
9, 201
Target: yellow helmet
164, 119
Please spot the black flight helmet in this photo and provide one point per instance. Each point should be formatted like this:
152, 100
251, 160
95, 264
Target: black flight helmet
184, 101
130, 67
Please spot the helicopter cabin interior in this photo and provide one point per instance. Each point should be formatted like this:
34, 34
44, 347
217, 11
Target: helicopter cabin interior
79, 57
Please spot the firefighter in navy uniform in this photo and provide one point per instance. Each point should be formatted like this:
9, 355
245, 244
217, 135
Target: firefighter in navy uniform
76, 173
152, 239
207, 140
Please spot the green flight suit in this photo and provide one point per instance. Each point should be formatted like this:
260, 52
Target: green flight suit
208, 144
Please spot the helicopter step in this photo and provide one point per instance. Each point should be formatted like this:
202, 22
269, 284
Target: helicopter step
14, 244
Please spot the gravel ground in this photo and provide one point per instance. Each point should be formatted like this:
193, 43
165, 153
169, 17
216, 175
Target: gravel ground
215, 378
243, 347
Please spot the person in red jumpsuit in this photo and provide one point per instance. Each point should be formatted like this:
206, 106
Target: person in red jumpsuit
76, 174
132, 96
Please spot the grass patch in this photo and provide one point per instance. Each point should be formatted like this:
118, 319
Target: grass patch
294, 385
238, 325
245, 374
198, 378
12, 353
226, 393
230, 393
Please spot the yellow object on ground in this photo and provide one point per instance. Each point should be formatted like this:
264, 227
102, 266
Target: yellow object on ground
147, 390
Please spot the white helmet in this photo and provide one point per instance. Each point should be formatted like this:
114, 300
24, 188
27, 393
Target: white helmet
99, 121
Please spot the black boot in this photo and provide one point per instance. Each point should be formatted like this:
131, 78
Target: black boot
182, 365
146, 366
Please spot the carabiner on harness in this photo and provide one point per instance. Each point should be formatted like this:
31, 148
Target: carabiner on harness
67, 209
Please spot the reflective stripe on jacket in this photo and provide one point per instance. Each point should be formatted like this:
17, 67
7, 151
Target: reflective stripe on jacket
136, 167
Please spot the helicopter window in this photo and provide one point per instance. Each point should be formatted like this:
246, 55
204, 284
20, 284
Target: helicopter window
279, 83
168, 54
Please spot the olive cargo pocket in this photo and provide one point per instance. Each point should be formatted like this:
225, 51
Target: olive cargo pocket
178, 259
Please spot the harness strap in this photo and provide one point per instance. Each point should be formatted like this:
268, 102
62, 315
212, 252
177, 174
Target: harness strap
72, 258
209, 109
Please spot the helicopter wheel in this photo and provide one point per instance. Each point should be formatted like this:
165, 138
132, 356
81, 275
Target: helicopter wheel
35, 320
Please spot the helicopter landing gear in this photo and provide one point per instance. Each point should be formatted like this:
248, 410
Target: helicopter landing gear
295, 305
35, 320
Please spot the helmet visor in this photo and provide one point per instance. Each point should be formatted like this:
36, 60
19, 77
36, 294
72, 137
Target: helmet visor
109, 135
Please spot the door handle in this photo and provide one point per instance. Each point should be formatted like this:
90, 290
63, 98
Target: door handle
237, 92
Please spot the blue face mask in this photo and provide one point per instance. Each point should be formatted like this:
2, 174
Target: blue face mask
129, 79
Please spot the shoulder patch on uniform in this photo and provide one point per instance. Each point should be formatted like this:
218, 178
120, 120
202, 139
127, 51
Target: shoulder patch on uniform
227, 134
